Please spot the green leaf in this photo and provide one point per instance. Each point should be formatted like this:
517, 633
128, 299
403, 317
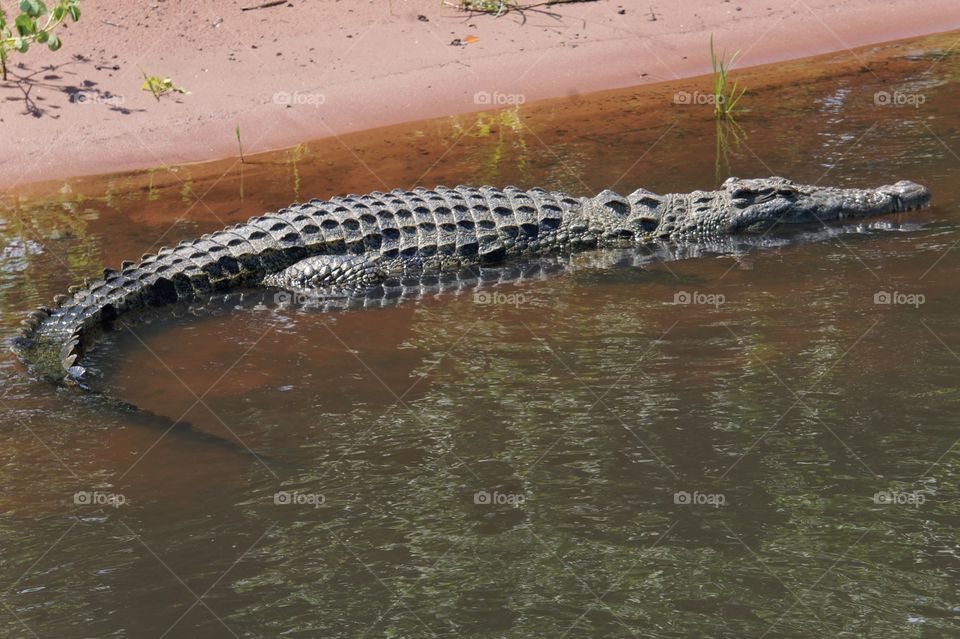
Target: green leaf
33, 8
42, 37
21, 45
53, 43
25, 25
59, 12
74, 11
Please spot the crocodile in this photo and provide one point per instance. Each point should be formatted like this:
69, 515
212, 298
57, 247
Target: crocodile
345, 246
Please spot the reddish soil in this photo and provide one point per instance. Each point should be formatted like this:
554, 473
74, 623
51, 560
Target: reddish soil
306, 70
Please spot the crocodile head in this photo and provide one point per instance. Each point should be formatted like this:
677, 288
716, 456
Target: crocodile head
759, 204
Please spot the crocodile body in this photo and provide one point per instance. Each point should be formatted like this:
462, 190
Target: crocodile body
348, 244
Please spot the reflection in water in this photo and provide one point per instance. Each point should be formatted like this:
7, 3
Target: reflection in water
730, 139
724, 440
295, 156
50, 237
498, 144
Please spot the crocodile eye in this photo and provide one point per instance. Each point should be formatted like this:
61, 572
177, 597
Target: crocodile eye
742, 192
780, 190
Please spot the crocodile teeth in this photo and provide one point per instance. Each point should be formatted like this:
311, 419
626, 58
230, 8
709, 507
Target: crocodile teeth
74, 289
60, 299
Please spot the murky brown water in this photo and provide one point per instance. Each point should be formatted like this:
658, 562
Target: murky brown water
582, 413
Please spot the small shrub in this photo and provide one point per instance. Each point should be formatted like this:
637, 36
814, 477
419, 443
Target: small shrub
29, 27
160, 86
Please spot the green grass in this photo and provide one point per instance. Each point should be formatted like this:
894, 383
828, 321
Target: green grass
240, 144
726, 95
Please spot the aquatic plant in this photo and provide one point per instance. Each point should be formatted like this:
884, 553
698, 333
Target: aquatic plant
725, 98
28, 28
730, 136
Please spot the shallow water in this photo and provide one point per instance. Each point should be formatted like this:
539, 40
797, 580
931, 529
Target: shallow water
568, 454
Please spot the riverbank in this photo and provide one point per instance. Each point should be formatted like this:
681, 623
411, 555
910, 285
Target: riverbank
289, 73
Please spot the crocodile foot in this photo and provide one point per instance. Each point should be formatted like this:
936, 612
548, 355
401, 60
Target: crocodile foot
325, 276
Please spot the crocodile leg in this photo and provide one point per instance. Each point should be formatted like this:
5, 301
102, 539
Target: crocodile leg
330, 275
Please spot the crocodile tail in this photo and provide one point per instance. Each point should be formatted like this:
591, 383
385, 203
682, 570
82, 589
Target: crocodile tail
53, 340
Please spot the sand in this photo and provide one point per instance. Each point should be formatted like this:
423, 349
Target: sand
307, 70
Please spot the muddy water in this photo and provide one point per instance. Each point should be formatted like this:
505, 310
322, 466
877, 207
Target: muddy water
571, 453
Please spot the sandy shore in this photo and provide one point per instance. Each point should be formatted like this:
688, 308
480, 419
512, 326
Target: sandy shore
301, 71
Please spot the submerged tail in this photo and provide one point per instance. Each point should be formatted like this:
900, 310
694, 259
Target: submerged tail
181, 429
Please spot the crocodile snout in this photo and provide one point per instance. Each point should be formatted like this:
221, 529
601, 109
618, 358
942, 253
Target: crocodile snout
907, 195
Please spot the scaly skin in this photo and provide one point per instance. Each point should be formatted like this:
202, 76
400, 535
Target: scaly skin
425, 231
